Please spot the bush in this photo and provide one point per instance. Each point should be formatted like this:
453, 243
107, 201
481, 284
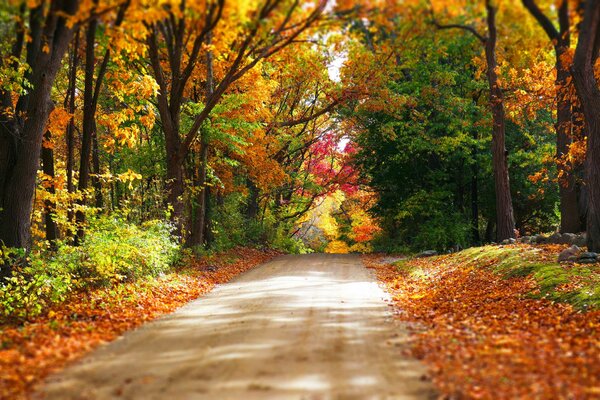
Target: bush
113, 251
116, 251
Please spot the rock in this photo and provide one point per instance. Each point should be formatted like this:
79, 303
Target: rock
570, 254
555, 238
588, 254
210, 268
509, 241
568, 238
580, 240
524, 239
587, 261
427, 253
538, 239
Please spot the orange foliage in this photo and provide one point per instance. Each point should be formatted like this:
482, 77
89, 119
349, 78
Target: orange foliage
482, 338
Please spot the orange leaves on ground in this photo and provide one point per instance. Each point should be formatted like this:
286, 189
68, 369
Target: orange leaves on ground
483, 337
29, 353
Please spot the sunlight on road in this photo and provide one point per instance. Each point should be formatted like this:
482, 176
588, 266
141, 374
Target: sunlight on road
301, 325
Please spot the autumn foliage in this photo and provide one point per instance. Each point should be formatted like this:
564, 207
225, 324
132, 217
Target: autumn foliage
486, 336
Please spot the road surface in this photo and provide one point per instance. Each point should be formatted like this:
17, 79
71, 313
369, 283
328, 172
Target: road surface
299, 327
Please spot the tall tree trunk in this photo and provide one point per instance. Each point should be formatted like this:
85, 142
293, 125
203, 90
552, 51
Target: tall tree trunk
475, 236
569, 202
586, 55
252, 206
89, 114
70, 131
201, 220
91, 93
19, 179
49, 205
505, 221
96, 181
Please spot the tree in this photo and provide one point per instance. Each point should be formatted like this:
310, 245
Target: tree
561, 41
174, 64
586, 56
505, 222
91, 94
23, 124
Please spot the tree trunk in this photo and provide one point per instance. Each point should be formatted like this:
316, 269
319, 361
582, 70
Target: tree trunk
201, 221
96, 181
49, 205
569, 205
475, 236
88, 122
70, 131
504, 209
19, 178
252, 207
586, 56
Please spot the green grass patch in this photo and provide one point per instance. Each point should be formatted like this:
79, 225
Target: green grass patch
575, 284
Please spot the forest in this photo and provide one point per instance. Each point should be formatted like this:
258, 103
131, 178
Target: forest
151, 150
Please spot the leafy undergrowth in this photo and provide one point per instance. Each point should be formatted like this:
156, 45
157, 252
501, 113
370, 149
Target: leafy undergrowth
29, 352
486, 326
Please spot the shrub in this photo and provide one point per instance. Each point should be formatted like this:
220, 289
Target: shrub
113, 251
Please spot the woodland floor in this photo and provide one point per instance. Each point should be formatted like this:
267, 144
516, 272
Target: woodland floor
492, 322
299, 327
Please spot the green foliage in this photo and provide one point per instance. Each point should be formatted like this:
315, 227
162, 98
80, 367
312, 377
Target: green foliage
29, 290
231, 227
113, 251
426, 158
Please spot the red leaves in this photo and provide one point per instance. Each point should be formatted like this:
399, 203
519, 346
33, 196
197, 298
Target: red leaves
29, 353
483, 337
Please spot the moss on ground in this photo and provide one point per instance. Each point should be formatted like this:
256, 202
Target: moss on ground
577, 284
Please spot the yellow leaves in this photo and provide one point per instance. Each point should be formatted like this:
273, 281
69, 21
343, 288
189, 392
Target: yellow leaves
337, 247
129, 177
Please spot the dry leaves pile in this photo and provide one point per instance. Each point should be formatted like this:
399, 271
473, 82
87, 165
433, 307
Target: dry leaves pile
29, 353
482, 337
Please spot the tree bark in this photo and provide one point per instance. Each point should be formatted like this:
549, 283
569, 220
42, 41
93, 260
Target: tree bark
561, 39
88, 120
505, 222
91, 93
475, 235
49, 205
201, 221
70, 131
96, 181
19, 179
586, 55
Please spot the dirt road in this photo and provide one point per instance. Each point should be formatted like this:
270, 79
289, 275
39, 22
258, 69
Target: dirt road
299, 327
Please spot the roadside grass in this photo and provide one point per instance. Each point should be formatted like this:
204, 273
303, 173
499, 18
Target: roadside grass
573, 283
